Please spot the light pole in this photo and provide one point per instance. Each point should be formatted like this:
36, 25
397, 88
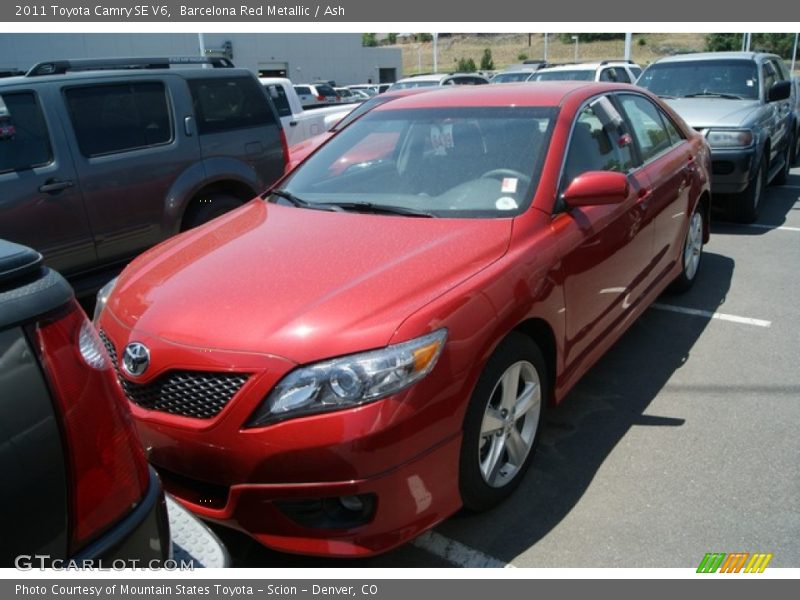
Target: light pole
435, 52
545, 47
628, 40
794, 52
575, 39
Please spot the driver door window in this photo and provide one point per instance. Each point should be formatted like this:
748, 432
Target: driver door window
593, 148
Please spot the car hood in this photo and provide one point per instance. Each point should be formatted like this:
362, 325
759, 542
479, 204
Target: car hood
298, 283
701, 113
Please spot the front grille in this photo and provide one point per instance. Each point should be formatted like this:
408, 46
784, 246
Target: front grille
197, 394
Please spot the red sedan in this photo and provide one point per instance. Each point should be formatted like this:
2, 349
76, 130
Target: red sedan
341, 365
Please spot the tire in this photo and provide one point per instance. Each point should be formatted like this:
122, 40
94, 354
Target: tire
490, 434
796, 153
782, 177
692, 252
205, 208
744, 206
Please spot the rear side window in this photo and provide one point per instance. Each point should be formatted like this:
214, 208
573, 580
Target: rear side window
228, 104
119, 117
325, 90
279, 99
27, 142
302, 90
647, 124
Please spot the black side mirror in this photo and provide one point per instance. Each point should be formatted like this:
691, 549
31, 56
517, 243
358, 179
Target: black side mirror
780, 90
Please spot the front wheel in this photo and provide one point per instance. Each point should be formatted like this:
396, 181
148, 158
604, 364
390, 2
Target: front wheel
744, 206
692, 252
501, 428
782, 177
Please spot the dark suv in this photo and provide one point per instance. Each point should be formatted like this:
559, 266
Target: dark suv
744, 105
102, 159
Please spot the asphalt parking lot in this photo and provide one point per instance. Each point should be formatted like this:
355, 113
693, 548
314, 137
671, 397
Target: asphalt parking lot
682, 440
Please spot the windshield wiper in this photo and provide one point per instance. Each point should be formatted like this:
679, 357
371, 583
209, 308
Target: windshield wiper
713, 95
296, 201
382, 208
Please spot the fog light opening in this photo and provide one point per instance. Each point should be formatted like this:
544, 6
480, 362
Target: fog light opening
352, 503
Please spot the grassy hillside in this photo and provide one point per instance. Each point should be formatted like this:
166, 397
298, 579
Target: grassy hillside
507, 47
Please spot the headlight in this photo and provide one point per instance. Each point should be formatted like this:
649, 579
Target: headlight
351, 380
729, 138
102, 298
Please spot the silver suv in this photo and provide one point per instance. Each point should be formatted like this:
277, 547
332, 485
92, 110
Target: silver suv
743, 102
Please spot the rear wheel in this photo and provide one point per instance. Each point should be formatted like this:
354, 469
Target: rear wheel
744, 206
205, 208
501, 428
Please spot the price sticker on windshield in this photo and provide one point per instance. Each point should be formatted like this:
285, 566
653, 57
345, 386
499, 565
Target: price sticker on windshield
509, 185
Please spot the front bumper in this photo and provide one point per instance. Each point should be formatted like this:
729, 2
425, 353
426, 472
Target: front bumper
732, 170
410, 499
401, 452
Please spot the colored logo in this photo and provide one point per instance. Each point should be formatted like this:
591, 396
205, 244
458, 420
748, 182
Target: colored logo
738, 562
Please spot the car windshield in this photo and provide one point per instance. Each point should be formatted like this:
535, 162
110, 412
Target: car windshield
510, 77
565, 75
444, 162
403, 85
702, 78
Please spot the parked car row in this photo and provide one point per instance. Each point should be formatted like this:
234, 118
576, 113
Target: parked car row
744, 103
340, 364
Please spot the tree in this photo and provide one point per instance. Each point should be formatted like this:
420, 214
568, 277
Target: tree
778, 43
369, 39
392, 38
424, 37
466, 65
566, 38
487, 64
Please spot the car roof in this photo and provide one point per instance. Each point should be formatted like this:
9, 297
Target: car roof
714, 56
186, 73
544, 93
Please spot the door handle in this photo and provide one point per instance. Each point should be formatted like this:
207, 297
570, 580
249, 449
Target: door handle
292, 123
51, 186
188, 126
643, 196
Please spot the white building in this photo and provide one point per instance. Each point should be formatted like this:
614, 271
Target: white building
303, 57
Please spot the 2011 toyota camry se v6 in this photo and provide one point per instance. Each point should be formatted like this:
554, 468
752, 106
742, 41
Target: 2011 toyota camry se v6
340, 365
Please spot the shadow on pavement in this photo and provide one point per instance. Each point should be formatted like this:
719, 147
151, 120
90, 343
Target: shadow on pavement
583, 430
776, 205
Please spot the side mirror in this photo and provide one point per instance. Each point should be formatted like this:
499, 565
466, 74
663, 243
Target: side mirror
597, 187
780, 90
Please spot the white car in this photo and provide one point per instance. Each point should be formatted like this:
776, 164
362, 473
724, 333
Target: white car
617, 71
435, 79
316, 94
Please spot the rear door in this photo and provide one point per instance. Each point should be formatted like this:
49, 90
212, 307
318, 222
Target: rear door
41, 203
236, 122
129, 151
669, 165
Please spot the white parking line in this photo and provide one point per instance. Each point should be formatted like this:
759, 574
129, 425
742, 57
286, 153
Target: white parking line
712, 315
458, 553
781, 227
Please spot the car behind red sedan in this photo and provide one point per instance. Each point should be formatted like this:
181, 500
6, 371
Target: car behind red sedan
343, 364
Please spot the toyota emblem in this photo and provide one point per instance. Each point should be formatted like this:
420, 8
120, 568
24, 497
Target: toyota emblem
135, 359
